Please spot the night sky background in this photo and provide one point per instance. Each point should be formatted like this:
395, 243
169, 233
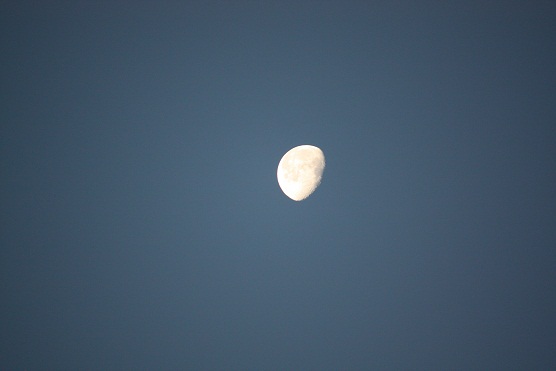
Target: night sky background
142, 225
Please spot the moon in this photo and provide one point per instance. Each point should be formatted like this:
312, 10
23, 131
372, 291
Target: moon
300, 171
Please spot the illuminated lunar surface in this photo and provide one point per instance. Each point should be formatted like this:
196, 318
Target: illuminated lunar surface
300, 171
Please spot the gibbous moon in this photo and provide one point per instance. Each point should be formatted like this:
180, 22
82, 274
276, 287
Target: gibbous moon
300, 171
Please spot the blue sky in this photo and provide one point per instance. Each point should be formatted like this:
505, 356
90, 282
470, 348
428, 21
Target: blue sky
142, 226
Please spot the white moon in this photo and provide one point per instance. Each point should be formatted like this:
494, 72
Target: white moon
300, 171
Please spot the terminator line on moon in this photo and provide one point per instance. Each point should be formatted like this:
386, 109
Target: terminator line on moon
300, 171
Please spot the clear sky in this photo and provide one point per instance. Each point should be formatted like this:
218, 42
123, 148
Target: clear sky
141, 222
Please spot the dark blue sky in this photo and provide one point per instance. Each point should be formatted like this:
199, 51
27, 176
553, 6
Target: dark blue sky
142, 226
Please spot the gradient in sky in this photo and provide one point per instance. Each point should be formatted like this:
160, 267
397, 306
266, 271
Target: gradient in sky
141, 222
